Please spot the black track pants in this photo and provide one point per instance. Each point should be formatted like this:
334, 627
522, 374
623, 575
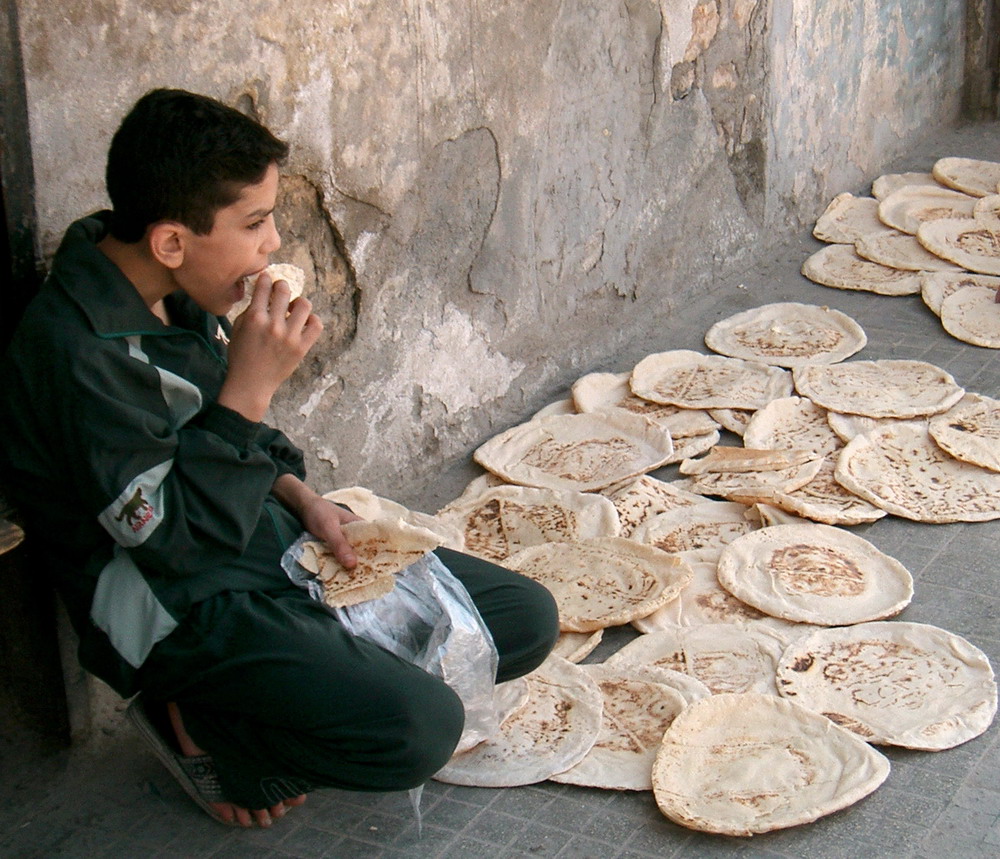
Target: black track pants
285, 700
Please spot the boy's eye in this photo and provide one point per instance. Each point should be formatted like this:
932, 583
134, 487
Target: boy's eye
256, 225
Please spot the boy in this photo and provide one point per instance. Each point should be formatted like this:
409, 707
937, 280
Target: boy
133, 444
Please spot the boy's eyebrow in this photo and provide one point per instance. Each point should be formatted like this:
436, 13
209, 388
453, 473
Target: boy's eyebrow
260, 213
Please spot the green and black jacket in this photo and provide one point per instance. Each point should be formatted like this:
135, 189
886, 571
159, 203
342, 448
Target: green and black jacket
144, 494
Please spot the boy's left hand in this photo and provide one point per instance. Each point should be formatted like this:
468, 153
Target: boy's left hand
323, 519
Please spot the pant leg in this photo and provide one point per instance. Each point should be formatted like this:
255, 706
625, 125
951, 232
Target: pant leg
519, 612
284, 699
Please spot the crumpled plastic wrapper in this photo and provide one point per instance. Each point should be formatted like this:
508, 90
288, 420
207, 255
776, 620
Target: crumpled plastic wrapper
428, 619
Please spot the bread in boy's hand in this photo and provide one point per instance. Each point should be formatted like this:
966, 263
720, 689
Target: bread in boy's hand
294, 276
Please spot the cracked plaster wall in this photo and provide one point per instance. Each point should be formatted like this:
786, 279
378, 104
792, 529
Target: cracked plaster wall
495, 197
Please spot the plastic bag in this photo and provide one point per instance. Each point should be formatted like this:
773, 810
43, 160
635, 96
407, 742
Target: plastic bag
428, 619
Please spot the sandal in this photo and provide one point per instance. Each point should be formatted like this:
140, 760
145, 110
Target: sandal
196, 774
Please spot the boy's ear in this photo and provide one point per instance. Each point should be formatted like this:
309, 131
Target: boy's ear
166, 243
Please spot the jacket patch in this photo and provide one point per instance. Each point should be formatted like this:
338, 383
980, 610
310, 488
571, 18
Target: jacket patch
137, 511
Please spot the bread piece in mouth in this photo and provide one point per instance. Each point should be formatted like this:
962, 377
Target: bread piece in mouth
294, 276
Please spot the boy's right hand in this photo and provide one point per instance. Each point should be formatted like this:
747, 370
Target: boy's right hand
270, 339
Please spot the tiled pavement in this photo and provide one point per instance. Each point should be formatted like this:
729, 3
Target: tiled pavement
113, 799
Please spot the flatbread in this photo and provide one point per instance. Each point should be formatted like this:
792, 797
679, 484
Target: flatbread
704, 600
383, 547
970, 431
849, 426
686, 378
582, 452
840, 267
639, 705
847, 218
824, 499
936, 286
908, 208
971, 175
792, 423
893, 682
505, 519
294, 276
577, 646
987, 209
723, 656
814, 573
603, 582
723, 459
705, 528
694, 445
734, 420
973, 316
552, 732
969, 243
750, 487
900, 469
787, 334
366, 504
889, 182
600, 391
745, 764
645, 497
901, 251
879, 389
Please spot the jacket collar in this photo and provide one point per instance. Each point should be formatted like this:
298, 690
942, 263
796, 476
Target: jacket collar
112, 305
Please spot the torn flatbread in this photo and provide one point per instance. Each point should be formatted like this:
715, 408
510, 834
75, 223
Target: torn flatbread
383, 548
366, 504
294, 276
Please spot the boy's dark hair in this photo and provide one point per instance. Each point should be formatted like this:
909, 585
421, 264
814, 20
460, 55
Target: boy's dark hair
180, 156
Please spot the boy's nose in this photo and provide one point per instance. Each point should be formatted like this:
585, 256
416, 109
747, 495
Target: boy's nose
272, 240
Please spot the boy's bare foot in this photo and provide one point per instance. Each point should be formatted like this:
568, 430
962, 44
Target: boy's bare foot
229, 811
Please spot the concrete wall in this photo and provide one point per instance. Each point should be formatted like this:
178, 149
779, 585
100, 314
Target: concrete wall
497, 196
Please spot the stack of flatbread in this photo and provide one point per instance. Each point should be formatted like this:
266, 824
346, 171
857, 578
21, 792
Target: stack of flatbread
936, 234
716, 705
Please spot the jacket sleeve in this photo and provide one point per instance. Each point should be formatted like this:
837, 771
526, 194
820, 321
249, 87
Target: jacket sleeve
287, 458
177, 480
